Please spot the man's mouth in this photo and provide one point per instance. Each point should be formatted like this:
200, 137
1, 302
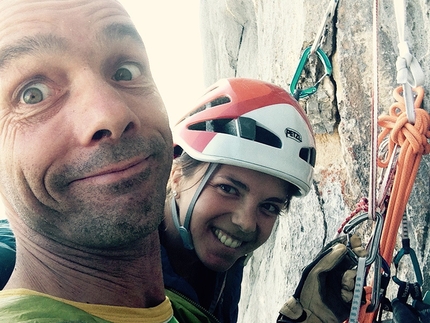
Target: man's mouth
115, 172
117, 169
226, 239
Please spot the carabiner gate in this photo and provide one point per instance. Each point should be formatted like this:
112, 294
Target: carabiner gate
300, 94
376, 235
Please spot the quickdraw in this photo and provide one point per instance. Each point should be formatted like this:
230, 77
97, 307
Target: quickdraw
407, 250
303, 93
311, 50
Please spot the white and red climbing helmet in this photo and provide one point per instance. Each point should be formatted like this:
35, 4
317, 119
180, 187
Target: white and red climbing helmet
251, 124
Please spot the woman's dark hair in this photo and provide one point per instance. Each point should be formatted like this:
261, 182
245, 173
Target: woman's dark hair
188, 166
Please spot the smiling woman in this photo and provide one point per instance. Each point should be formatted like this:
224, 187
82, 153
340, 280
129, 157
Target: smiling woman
234, 172
170, 31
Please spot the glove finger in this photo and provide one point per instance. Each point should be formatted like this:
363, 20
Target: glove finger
355, 241
348, 279
346, 295
357, 246
312, 285
348, 284
360, 252
330, 260
292, 309
325, 261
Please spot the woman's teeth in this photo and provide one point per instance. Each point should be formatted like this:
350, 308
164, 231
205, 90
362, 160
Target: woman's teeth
226, 240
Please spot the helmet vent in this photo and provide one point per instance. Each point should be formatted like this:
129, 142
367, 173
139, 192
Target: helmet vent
308, 154
243, 127
217, 101
211, 104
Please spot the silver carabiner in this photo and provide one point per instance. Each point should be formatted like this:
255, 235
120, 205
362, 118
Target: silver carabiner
376, 287
376, 235
409, 103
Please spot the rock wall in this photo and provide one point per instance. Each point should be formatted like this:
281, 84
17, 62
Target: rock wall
264, 39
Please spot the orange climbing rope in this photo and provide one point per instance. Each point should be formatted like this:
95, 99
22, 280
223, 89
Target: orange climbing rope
407, 128
412, 140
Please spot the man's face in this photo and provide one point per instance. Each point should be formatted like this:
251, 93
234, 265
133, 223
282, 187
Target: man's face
85, 141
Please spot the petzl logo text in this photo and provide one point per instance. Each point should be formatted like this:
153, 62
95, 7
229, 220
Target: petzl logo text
293, 134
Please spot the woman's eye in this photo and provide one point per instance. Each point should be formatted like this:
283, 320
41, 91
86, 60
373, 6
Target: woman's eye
228, 189
274, 209
34, 93
127, 72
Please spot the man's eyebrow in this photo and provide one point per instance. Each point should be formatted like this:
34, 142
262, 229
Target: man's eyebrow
118, 31
30, 45
48, 42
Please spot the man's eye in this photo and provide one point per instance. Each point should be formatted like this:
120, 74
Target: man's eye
127, 72
34, 94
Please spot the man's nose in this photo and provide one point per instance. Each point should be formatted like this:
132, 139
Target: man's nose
245, 218
102, 112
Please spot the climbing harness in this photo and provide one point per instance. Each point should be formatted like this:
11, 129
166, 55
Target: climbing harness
311, 50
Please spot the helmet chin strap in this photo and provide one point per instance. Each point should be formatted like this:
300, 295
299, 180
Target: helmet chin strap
184, 230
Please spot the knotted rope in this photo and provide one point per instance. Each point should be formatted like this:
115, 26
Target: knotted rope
412, 139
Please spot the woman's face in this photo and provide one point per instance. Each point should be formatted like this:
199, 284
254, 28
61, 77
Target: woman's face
234, 214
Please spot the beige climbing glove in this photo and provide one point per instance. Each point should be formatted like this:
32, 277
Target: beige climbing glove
326, 288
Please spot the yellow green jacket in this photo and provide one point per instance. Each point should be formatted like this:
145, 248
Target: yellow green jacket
22, 305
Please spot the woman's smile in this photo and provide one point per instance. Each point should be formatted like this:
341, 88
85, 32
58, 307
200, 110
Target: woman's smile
226, 239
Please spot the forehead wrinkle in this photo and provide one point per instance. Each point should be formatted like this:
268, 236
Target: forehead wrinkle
30, 46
